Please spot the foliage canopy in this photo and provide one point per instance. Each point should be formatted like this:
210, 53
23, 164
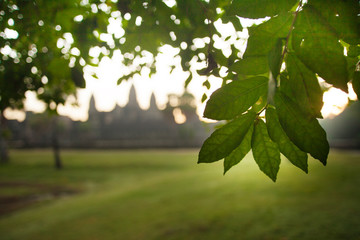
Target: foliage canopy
271, 95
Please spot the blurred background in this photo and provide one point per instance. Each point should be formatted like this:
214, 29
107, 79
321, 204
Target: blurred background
112, 154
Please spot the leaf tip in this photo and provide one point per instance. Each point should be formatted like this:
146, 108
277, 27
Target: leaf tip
200, 160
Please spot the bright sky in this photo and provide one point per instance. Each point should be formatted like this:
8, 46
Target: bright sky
107, 93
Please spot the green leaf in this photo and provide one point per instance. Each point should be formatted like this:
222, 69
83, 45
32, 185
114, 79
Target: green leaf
302, 129
219, 57
235, 98
259, 105
225, 139
302, 86
318, 47
288, 148
275, 57
251, 66
356, 83
203, 98
206, 84
240, 152
353, 51
234, 20
342, 16
188, 80
265, 151
263, 37
260, 8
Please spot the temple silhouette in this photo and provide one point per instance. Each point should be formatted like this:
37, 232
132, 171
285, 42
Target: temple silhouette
124, 127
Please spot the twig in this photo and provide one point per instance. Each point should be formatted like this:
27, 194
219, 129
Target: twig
290, 30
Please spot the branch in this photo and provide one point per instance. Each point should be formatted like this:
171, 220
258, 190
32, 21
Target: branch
291, 29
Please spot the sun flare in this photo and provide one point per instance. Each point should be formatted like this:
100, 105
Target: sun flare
335, 101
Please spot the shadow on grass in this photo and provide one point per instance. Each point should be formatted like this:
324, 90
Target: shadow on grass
15, 196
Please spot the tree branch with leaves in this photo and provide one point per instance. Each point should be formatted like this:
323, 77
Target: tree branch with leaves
286, 55
271, 94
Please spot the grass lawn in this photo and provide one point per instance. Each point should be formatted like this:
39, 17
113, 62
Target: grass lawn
155, 194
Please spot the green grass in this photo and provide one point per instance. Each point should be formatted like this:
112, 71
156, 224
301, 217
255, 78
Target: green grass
165, 195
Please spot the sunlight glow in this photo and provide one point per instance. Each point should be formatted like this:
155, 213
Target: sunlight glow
335, 101
179, 117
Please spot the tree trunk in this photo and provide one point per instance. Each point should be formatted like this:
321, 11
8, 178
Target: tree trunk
55, 143
4, 154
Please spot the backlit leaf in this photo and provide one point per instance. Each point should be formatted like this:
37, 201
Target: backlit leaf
235, 98
274, 58
225, 139
302, 129
318, 47
342, 16
286, 147
263, 37
353, 51
240, 152
265, 151
251, 66
302, 86
259, 8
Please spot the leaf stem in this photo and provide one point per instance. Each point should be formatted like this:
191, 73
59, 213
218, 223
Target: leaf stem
263, 109
291, 29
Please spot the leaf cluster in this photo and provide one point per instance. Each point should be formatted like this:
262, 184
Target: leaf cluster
273, 107
44, 47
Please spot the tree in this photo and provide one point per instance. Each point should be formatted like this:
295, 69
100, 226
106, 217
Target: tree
271, 96
44, 45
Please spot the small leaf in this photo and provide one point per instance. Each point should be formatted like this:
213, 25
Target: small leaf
240, 152
251, 66
206, 84
235, 98
188, 80
264, 36
302, 86
259, 9
274, 58
318, 47
286, 147
225, 139
265, 151
203, 98
302, 129
356, 83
